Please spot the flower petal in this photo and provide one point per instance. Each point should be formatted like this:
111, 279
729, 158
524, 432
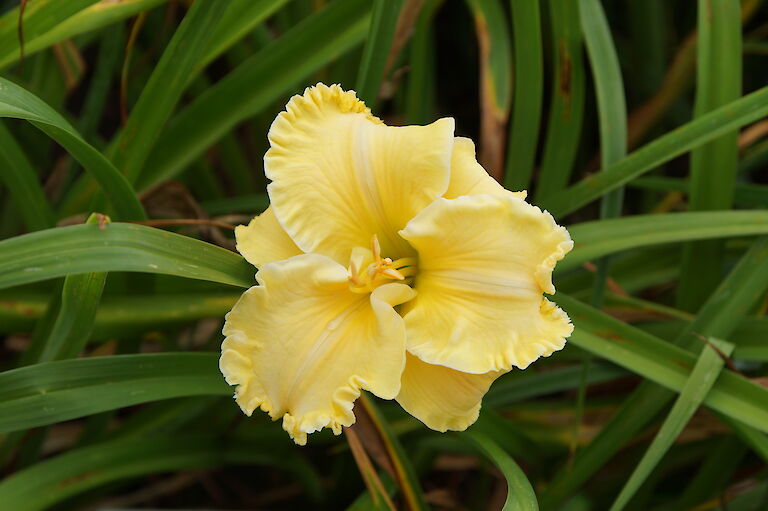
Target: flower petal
339, 175
264, 240
442, 398
484, 261
468, 177
301, 345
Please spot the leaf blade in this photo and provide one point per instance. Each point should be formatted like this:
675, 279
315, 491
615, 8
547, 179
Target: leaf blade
120, 247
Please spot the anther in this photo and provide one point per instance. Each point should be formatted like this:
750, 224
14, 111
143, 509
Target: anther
375, 248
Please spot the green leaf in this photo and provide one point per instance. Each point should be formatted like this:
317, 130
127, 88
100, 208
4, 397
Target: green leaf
599, 238
118, 247
53, 392
240, 18
420, 90
612, 121
520, 494
528, 93
662, 362
286, 63
69, 318
522, 385
23, 184
609, 85
19, 103
612, 110
491, 23
45, 484
698, 385
724, 310
715, 164
122, 315
59, 25
708, 127
567, 103
164, 87
377, 48
40, 17
745, 194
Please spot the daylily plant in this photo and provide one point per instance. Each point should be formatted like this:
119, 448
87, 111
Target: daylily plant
388, 261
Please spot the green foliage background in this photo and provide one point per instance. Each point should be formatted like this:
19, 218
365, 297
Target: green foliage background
640, 124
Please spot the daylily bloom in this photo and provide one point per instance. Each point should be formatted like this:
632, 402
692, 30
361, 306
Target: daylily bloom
388, 261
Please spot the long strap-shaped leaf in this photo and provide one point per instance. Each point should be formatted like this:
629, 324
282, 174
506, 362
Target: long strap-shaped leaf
60, 25
163, 90
23, 183
693, 134
68, 322
268, 75
377, 48
713, 165
528, 93
520, 494
567, 106
663, 362
40, 17
57, 391
641, 353
122, 315
699, 383
746, 194
63, 251
46, 483
718, 318
612, 121
612, 110
240, 18
599, 238
495, 51
18, 103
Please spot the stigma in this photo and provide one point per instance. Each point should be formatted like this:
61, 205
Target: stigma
368, 270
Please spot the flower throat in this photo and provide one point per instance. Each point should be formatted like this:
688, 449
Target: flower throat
368, 270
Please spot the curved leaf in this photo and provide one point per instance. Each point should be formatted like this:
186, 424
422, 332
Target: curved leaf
60, 27
51, 481
63, 251
164, 87
246, 90
57, 391
528, 93
679, 141
598, 238
23, 183
40, 18
377, 48
19, 103
520, 494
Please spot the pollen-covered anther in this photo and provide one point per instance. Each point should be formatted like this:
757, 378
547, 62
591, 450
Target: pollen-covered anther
368, 270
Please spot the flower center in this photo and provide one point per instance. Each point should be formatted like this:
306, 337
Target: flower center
368, 270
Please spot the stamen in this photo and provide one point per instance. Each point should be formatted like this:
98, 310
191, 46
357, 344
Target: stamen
375, 248
369, 271
394, 274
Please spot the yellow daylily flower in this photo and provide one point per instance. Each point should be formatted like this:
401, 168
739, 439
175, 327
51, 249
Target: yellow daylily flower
389, 261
